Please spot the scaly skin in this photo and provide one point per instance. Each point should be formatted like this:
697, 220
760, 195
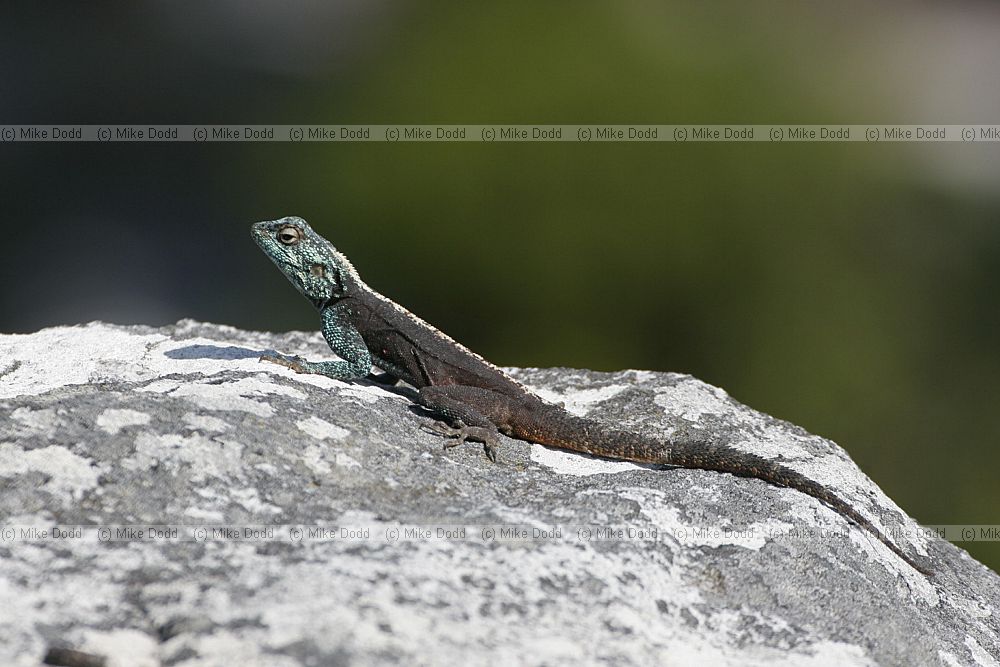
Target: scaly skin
476, 399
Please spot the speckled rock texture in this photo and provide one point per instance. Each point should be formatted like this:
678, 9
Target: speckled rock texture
216, 510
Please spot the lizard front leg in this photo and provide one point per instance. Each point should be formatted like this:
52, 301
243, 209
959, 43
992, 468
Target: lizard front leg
344, 339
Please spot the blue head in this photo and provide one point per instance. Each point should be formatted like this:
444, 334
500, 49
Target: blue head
308, 260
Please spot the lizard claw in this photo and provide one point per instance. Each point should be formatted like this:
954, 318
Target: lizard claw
295, 363
442, 429
491, 448
460, 434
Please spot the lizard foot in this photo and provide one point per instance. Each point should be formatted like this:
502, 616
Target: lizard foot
295, 363
460, 434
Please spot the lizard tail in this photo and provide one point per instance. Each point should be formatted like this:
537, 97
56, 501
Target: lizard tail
745, 464
625, 445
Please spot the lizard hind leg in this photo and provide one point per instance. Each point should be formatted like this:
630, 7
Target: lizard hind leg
462, 421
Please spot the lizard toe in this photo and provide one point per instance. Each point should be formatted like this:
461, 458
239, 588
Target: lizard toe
491, 449
294, 363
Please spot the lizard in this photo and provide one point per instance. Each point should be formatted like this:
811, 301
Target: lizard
473, 399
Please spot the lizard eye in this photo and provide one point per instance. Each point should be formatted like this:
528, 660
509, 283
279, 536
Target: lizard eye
289, 235
317, 270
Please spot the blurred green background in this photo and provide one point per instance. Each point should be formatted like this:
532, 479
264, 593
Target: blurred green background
849, 288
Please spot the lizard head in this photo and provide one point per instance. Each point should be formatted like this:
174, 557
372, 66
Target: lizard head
307, 259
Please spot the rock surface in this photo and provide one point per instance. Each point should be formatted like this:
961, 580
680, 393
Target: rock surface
564, 558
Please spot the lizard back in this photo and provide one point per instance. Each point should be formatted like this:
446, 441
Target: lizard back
413, 350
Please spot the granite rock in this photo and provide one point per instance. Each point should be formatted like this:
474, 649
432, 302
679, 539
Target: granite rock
170, 500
